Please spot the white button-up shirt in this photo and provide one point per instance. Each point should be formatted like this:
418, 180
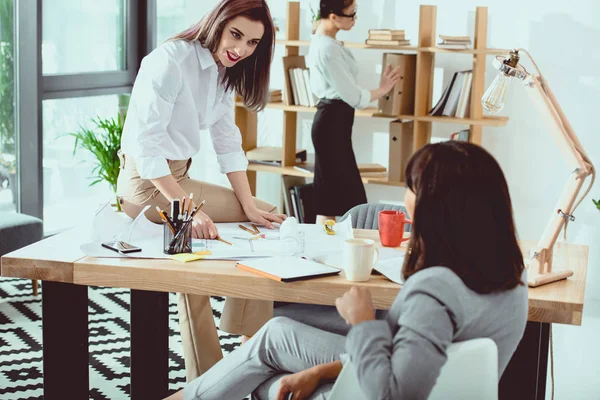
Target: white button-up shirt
177, 93
334, 72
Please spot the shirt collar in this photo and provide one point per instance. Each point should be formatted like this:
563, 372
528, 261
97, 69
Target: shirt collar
205, 57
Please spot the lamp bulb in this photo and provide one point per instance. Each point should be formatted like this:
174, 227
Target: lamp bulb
495, 96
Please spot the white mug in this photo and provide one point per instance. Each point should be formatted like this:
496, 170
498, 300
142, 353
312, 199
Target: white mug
358, 259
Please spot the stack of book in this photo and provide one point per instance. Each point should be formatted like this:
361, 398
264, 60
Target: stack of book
275, 96
456, 99
454, 42
300, 84
387, 37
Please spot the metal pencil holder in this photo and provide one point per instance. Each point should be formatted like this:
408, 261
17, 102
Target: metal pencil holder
179, 241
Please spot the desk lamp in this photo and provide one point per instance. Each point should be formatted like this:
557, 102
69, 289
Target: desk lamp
540, 265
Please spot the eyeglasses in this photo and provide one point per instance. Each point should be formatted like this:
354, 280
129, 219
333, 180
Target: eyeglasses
353, 15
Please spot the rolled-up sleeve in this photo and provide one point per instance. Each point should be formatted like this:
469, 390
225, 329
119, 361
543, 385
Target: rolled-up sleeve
336, 72
157, 85
227, 139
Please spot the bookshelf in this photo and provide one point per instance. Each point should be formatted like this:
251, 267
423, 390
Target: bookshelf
425, 49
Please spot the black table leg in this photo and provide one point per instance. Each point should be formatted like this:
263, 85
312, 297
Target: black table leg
525, 375
65, 341
149, 345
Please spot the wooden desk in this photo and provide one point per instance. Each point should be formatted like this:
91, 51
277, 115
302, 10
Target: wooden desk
67, 272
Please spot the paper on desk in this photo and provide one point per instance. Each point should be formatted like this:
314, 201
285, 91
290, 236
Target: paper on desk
390, 264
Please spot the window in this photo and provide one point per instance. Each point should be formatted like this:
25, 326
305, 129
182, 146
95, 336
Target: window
8, 140
83, 36
68, 197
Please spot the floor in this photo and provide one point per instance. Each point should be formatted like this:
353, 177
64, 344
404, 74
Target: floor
576, 348
21, 334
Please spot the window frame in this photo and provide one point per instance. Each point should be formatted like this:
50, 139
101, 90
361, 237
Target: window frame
32, 87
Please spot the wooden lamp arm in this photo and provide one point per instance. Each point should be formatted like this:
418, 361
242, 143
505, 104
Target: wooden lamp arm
540, 267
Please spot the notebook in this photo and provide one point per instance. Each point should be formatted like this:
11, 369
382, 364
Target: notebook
287, 268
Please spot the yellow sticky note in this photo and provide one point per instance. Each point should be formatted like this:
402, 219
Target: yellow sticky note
187, 257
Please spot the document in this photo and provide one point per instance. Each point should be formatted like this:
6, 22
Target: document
287, 268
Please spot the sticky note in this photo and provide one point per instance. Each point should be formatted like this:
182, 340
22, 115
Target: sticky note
187, 257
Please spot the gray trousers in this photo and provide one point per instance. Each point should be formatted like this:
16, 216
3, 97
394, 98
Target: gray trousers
281, 347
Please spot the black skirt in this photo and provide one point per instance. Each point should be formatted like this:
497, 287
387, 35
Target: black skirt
337, 183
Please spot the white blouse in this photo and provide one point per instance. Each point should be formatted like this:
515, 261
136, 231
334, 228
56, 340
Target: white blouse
177, 93
334, 72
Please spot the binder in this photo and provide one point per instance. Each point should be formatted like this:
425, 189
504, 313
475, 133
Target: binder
401, 99
287, 268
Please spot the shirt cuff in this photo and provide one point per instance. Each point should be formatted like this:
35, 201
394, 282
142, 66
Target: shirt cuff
365, 99
232, 162
152, 167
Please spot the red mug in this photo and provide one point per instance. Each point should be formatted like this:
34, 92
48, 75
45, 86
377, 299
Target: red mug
391, 227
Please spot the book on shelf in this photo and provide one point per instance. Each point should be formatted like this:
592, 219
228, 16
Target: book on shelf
271, 156
386, 32
454, 42
275, 96
387, 37
455, 99
300, 86
305, 203
462, 135
289, 201
372, 42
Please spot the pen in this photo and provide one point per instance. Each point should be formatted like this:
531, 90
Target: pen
175, 210
189, 210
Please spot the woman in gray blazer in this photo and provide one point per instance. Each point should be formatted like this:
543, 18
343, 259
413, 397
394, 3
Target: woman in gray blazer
464, 277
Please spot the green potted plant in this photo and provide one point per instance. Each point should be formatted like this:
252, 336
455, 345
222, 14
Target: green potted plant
596, 203
103, 141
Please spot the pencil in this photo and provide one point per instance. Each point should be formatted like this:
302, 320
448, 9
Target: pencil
164, 218
246, 229
220, 239
255, 228
183, 205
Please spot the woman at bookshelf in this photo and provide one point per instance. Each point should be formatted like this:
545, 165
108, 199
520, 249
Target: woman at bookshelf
333, 78
461, 283
186, 85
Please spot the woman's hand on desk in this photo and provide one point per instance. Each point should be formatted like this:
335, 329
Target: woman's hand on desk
356, 306
203, 227
264, 218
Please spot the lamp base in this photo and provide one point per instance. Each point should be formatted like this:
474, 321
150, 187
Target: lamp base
549, 277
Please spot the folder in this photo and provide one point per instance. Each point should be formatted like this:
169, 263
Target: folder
287, 268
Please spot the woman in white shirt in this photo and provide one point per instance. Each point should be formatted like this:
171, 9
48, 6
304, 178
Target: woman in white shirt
333, 77
186, 85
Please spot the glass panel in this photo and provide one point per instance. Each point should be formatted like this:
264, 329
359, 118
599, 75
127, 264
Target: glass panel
8, 143
173, 16
68, 196
82, 36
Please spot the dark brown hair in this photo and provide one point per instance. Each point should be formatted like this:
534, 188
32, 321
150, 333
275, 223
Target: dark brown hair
250, 77
336, 7
463, 217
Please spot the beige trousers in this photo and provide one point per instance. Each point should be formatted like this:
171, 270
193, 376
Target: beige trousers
201, 348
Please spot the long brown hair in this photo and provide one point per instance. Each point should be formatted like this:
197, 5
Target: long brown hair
463, 217
250, 77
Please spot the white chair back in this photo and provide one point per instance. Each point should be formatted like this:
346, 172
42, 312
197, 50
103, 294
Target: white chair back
470, 373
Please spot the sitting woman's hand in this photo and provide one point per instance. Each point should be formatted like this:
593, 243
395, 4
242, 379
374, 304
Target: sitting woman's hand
299, 385
203, 227
264, 218
355, 306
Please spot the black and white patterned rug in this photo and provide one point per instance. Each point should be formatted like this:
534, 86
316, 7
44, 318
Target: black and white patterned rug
21, 339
